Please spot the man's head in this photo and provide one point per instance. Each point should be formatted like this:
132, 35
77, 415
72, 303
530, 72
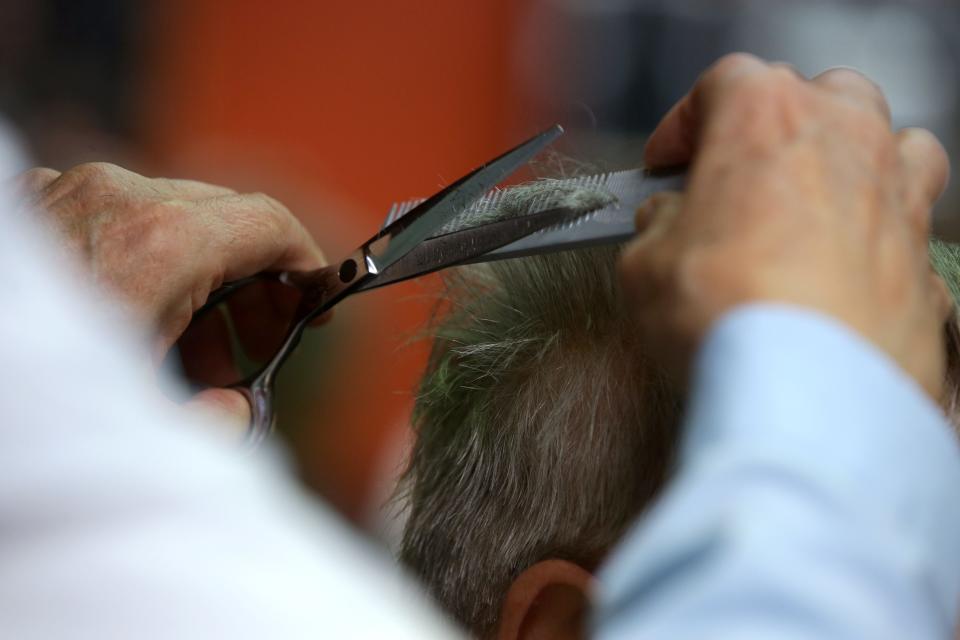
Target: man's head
541, 432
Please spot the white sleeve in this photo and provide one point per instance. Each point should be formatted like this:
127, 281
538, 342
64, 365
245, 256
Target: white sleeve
122, 516
817, 496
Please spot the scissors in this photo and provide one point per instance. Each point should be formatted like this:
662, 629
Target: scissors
412, 243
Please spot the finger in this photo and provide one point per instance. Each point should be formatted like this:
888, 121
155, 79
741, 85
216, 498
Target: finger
943, 301
926, 162
675, 139
250, 233
639, 266
657, 211
856, 87
225, 406
926, 170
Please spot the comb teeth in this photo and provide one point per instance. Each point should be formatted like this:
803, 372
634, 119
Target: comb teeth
570, 224
614, 182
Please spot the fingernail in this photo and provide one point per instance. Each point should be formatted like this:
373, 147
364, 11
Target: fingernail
643, 216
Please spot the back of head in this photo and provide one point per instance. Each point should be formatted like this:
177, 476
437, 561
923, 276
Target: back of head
541, 428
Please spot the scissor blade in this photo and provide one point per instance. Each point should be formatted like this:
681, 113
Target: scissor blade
608, 224
471, 245
612, 224
404, 234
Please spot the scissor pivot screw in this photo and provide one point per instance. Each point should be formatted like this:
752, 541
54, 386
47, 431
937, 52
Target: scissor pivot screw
348, 270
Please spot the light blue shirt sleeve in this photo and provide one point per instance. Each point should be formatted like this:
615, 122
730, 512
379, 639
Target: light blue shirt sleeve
817, 495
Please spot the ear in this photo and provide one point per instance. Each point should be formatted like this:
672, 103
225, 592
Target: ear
549, 600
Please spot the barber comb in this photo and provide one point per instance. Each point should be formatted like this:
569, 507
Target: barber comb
607, 204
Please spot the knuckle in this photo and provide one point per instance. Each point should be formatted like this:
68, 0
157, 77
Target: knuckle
93, 179
856, 85
729, 71
93, 171
37, 179
927, 137
732, 64
848, 76
923, 143
925, 163
767, 107
864, 83
775, 90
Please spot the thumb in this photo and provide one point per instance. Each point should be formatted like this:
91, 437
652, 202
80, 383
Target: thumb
653, 221
654, 215
226, 407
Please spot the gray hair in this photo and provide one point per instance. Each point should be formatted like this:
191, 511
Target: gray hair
541, 429
945, 260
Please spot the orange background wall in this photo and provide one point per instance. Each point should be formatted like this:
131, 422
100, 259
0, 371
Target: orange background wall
339, 108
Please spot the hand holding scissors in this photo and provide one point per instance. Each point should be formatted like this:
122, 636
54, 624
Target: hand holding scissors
413, 244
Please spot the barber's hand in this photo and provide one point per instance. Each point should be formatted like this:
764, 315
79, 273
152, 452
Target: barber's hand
163, 245
800, 193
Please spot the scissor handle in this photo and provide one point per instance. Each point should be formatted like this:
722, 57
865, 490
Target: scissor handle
259, 394
222, 293
258, 388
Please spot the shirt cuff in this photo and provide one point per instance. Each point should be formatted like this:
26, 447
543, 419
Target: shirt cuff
798, 387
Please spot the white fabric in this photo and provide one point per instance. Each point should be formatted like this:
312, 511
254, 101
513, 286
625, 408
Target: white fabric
122, 516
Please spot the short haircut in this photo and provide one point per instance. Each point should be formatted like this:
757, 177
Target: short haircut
945, 260
541, 429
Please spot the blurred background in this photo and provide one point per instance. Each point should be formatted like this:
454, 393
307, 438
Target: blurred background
340, 108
